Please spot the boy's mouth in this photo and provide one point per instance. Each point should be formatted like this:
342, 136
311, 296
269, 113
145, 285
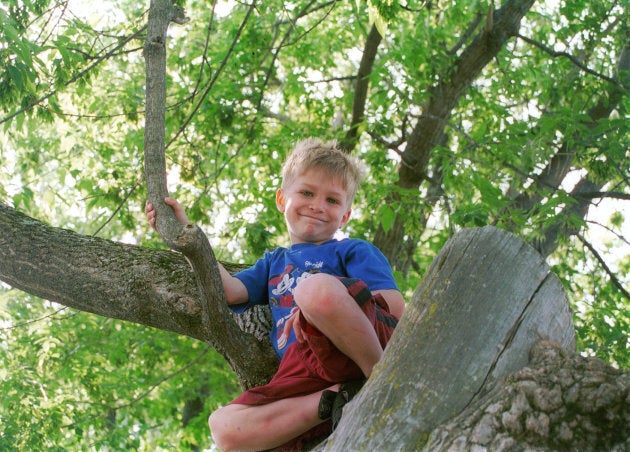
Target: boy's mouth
313, 218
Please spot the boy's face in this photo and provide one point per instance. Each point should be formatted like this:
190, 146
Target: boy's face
315, 205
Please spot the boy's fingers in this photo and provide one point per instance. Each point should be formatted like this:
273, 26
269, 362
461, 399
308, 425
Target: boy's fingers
297, 329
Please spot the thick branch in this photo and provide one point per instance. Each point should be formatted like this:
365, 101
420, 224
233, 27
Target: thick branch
154, 129
445, 95
561, 227
150, 287
561, 163
218, 325
361, 89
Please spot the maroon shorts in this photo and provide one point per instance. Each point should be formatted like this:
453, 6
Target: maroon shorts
315, 363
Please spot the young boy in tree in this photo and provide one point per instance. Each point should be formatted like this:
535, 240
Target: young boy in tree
334, 305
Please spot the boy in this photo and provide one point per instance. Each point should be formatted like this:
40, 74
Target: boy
329, 328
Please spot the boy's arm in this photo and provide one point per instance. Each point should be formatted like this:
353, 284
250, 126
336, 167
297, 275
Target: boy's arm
235, 290
395, 301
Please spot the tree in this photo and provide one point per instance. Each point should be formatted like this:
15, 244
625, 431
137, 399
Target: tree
513, 106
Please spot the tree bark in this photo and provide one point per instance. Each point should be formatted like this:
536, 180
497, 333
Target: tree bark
561, 402
362, 85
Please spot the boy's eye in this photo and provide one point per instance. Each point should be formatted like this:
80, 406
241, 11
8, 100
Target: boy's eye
306, 193
332, 201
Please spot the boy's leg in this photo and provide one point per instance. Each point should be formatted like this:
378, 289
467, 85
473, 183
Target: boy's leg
326, 304
261, 427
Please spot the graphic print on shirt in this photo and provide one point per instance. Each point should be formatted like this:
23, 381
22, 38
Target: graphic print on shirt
282, 287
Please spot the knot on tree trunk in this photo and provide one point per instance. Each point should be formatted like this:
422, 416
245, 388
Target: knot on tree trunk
562, 401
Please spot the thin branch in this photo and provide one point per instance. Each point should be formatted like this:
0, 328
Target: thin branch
122, 203
611, 274
144, 394
570, 57
164, 379
29, 322
210, 85
606, 194
613, 232
76, 77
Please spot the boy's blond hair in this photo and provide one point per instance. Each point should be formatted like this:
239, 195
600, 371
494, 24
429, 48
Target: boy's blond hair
315, 153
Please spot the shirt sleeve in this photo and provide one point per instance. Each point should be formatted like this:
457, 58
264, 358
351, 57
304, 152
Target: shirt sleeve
366, 262
255, 279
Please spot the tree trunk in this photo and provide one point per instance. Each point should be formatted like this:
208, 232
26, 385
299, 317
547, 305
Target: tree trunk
562, 402
487, 298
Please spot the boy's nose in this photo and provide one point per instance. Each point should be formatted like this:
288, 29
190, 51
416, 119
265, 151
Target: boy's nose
317, 205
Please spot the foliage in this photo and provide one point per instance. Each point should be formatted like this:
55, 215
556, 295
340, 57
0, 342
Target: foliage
72, 380
245, 82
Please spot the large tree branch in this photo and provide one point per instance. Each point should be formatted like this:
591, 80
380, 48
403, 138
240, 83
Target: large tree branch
569, 221
445, 95
150, 287
560, 165
361, 88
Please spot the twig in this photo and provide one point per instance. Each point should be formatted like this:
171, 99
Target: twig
598, 257
574, 60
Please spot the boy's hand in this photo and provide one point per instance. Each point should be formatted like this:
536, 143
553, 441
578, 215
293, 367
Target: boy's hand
297, 328
178, 210
293, 322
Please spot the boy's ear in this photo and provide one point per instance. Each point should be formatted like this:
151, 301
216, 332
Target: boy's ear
280, 200
345, 218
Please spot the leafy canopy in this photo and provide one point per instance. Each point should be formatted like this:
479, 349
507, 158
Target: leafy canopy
244, 83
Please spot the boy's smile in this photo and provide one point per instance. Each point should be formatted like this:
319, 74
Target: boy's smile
315, 205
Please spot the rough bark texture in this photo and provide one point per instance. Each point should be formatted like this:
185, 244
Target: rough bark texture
561, 402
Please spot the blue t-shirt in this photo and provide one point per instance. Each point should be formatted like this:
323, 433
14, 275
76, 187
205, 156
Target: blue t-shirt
274, 277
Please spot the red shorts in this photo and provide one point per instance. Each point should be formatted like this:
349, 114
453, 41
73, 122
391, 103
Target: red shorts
315, 363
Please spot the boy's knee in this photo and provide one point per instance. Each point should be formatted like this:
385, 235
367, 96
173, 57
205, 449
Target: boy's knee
222, 435
320, 292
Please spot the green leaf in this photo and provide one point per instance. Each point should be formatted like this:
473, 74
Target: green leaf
387, 216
